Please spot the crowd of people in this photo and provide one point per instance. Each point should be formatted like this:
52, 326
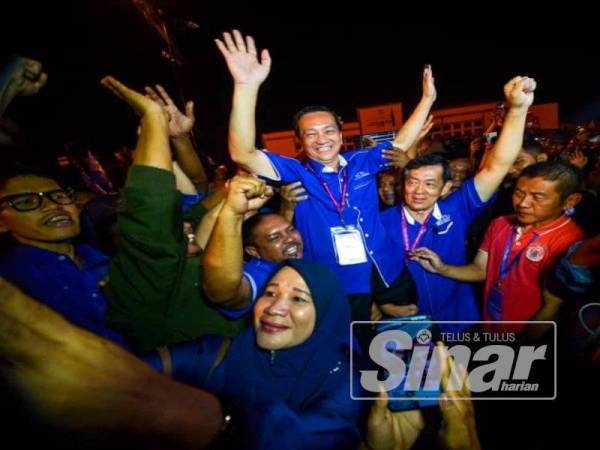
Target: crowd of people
157, 303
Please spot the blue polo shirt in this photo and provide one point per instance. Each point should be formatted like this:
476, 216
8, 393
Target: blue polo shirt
315, 216
257, 272
446, 233
55, 280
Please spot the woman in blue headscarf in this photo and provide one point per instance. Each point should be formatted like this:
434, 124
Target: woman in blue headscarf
285, 381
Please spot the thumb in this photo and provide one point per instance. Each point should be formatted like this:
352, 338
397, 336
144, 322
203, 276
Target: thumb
189, 109
265, 58
380, 405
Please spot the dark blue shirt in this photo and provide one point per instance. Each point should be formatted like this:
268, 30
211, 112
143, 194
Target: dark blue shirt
55, 280
315, 216
441, 297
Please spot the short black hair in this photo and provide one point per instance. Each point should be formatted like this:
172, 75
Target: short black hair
568, 177
312, 109
250, 224
20, 169
433, 159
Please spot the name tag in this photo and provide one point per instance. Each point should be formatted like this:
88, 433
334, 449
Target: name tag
348, 245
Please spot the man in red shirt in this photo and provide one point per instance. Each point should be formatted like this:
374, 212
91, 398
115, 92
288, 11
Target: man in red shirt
519, 250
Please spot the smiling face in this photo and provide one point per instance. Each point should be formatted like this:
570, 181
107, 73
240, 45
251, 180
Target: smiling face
50, 223
285, 315
275, 239
320, 137
423, 186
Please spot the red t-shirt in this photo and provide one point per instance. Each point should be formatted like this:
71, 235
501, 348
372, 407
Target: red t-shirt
522, 286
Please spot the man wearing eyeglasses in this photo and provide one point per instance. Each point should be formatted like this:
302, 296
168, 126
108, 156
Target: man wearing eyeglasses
43, 221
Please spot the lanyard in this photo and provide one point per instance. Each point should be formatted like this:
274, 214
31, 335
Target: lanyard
338, 205
505, 266
422, 230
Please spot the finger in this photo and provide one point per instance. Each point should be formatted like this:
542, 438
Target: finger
164, 95
153, 95
231, 47
113, 85
250, 45
189, 110
42, 81
222, 48
380, 404
239, 41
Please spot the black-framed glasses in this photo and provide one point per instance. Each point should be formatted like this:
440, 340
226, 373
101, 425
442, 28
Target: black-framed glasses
28, 201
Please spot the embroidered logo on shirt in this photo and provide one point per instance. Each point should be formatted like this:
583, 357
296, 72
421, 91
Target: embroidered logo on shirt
442, 220
535, 252
443, 225
360, 175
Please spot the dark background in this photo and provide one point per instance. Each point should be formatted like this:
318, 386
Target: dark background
319, 56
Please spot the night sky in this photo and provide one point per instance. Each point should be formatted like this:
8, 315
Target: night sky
343, 63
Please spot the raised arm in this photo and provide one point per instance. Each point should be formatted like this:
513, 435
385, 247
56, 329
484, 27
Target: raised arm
412, 127
153, 142
496, 164
20, 77
248, 74
223, 260
181, 126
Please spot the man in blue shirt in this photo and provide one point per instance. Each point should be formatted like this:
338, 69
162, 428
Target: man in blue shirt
43, 220
268, 238
340, 220
425, 220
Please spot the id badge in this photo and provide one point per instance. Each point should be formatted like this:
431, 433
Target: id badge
494, 302
348, 245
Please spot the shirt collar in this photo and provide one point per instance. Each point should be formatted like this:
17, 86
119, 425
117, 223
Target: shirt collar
326, 169
548, 228
436, 213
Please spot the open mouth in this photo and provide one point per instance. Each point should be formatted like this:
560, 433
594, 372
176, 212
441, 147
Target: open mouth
59, 220
292, 251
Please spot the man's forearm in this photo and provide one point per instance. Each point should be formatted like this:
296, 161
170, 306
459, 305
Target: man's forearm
467, 273
407, 135
242, 124
223, 260
76, 380
152, 147
509, 142
188, 160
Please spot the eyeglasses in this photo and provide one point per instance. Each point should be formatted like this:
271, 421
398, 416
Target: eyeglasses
29, 201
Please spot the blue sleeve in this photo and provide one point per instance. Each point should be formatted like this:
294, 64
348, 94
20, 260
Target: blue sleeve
256, 273
467, 201
191, 361
331, 422
288, 169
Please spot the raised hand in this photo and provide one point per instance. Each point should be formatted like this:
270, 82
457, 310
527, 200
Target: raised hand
25, 76
429, 91
245, 193
141, 104
519, 92
242, 60
180, 124
578, 158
